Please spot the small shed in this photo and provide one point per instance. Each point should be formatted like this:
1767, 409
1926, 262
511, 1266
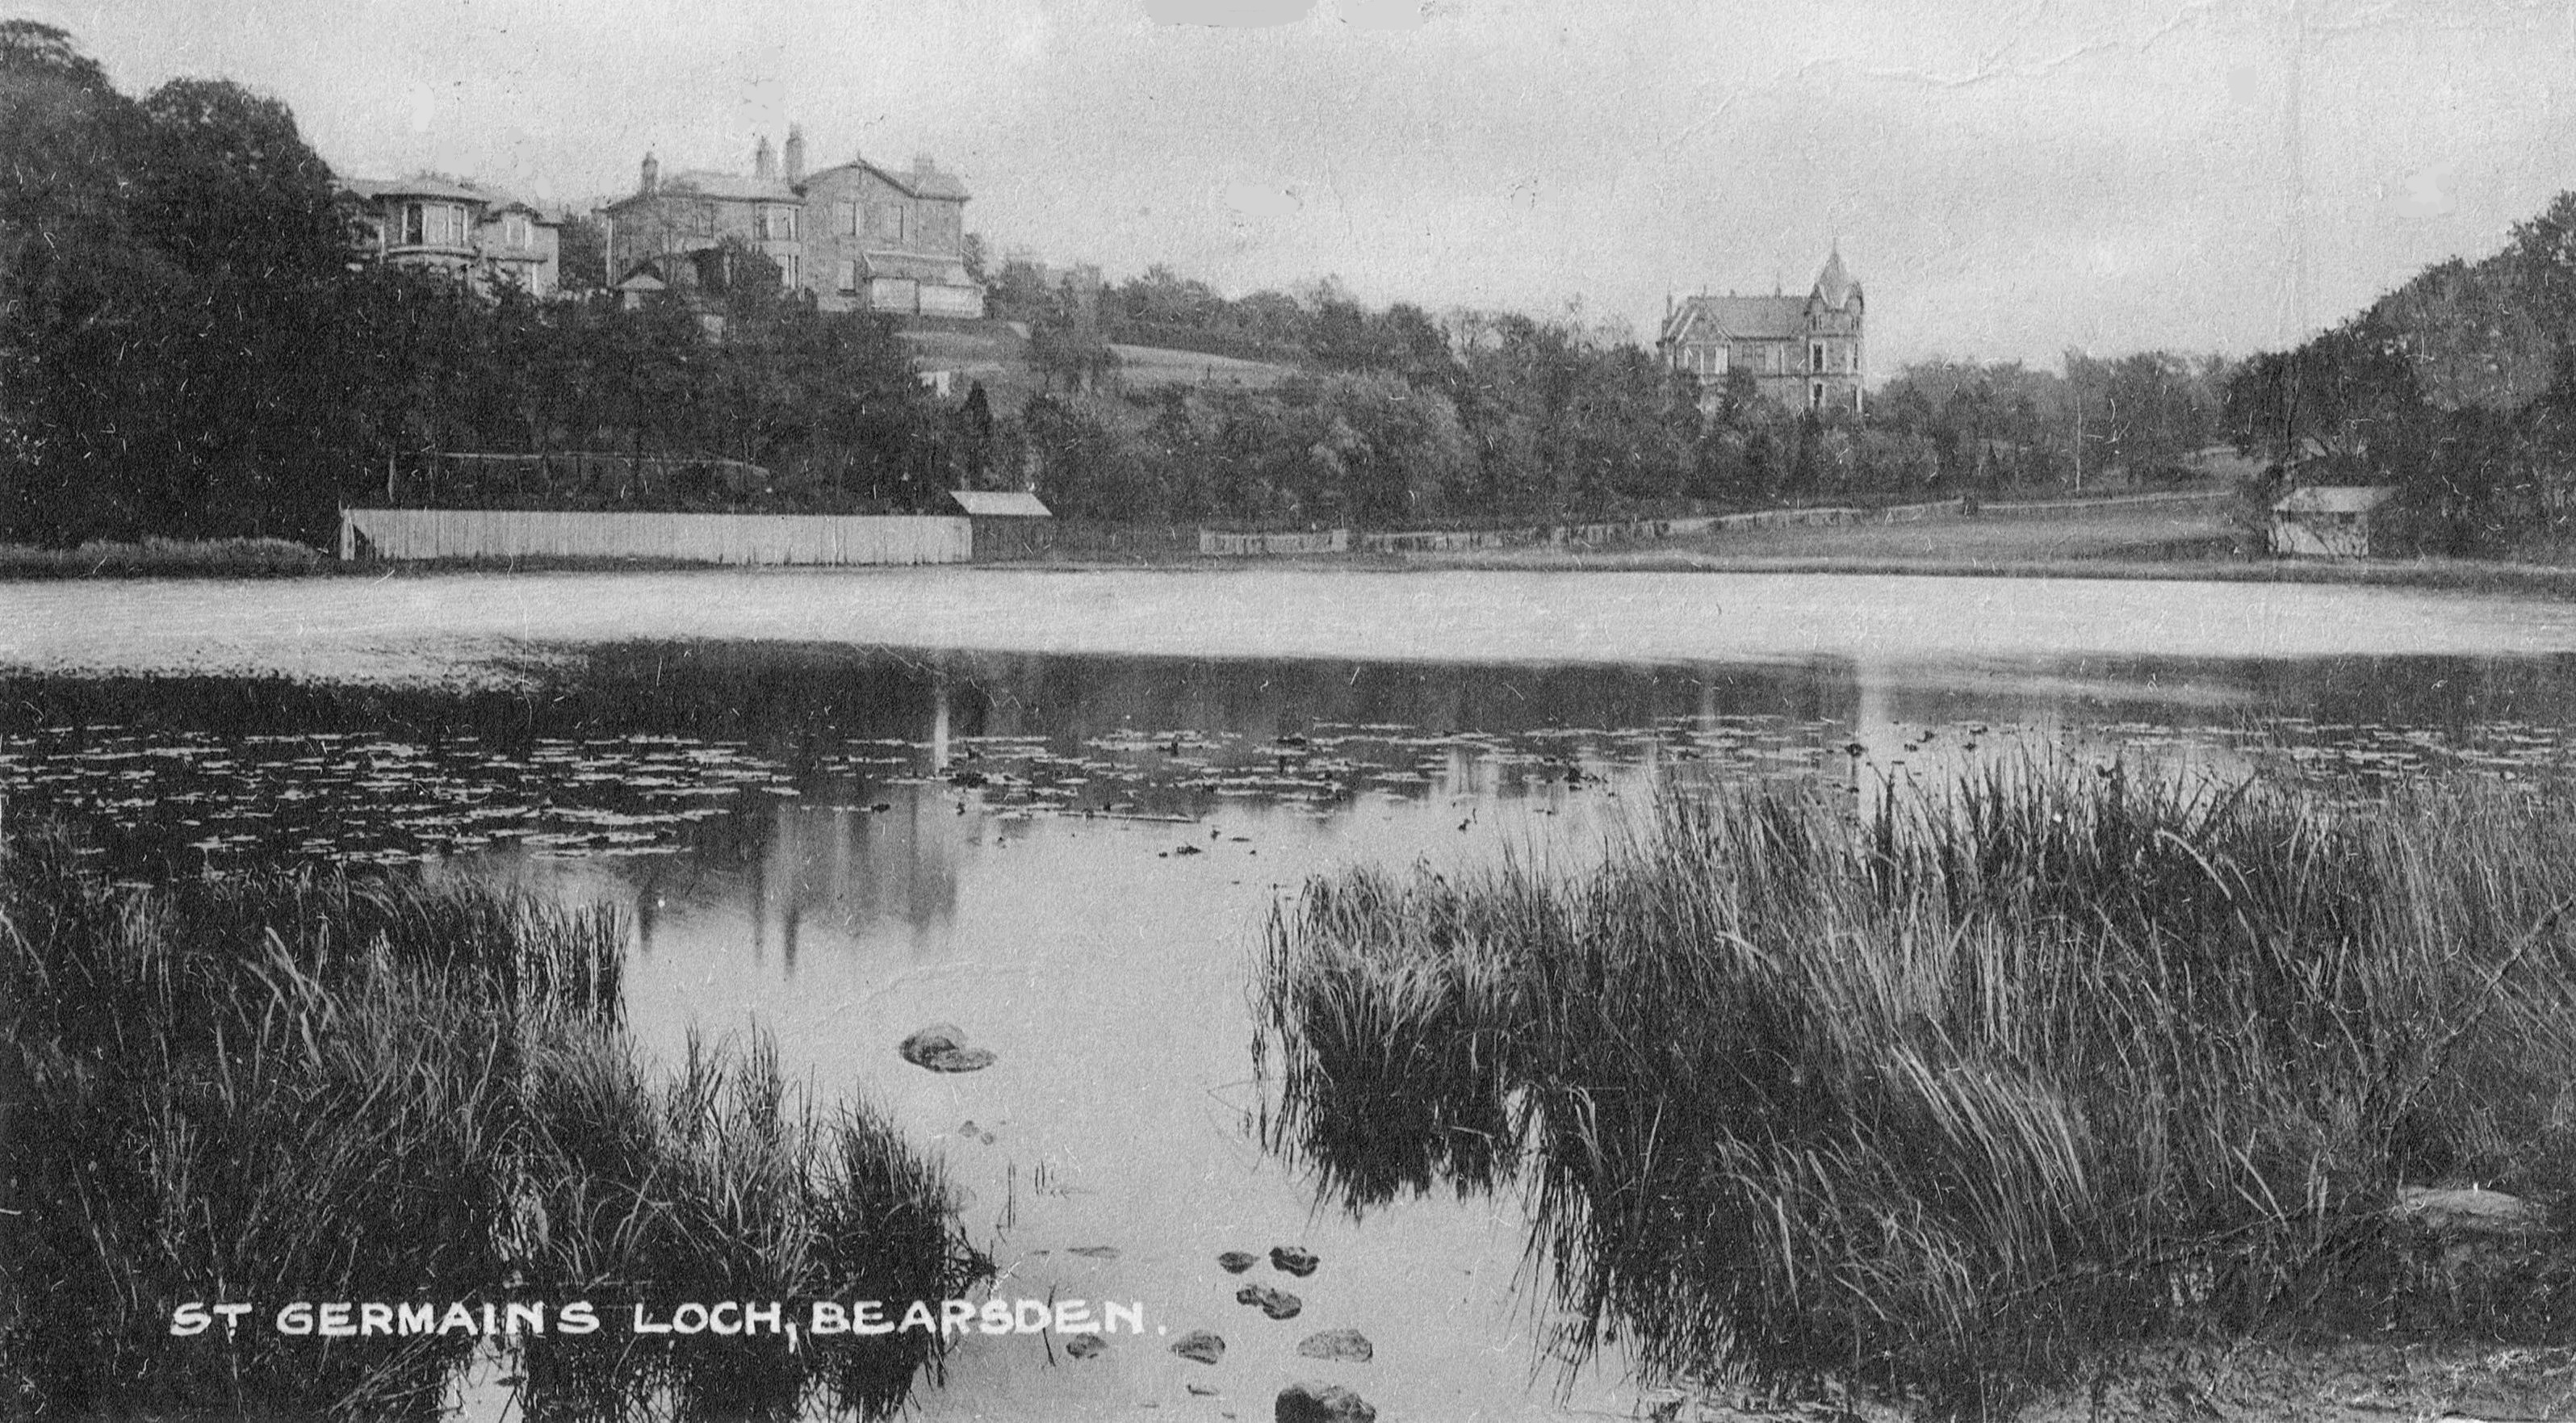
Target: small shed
2332, 521
640, 287
1013, 524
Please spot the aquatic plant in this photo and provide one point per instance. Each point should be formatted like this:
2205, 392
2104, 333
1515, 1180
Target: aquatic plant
1966, 1095
320, 1087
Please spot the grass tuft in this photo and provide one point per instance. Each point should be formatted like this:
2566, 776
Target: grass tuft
328, 1088
1967, 1096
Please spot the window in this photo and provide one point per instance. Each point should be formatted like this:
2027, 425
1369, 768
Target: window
514, 230
899, 216
1815, 355
849, 278
1816, 395
845, 218
787, 270
432, 225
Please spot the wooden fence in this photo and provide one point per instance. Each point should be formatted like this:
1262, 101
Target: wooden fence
1216, 544
677, 538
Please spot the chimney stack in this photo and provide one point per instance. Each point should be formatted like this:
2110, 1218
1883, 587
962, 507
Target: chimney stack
652, 174
795, 153
764, 160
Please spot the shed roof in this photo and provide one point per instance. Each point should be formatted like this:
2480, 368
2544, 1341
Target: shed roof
918, 267
996, 504
2335, 499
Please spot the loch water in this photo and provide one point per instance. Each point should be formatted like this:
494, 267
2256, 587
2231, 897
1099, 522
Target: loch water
1057, 811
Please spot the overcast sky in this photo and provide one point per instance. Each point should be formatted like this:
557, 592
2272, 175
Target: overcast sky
2007, 179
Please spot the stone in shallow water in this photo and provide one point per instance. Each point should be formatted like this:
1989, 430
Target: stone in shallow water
1295, 1259
1278, 1304
1199, 1346
1235, 1262
1347, 1346
941, 1047
1322, 1403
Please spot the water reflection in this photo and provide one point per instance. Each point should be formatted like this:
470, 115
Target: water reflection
1072, 857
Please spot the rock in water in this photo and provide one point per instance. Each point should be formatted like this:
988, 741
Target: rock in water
1294, 1259
1278, 1304
1235, 1262
1199, 1346
941, 1047
1348, 1346
1322, 1403
1084, 1346
2470, 1211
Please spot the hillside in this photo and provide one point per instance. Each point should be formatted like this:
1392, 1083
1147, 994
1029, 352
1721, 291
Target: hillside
997, 354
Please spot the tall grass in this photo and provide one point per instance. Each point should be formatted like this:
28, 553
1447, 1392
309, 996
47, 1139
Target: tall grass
317, 1087
1966, 1096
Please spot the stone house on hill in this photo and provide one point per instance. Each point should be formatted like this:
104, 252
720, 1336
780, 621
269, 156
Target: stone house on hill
676, 226
857, 236
486, 239
890, 241
1804, 352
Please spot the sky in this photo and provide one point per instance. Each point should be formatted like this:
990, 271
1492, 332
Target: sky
2008, 179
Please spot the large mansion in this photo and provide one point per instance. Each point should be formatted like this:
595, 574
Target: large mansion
858, 236
1804, 352
486, 239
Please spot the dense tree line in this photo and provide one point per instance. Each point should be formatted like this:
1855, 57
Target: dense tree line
193, 348
2458, 389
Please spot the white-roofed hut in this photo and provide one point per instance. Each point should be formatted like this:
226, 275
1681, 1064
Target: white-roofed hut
2335, 521
1008, 524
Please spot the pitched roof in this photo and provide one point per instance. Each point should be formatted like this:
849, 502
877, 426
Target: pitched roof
919, 183
419, 185
983, 503
1748, 318
736, 186
1834, 286
2336, 499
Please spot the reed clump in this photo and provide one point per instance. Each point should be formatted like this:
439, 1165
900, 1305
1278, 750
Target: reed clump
1971, 1095
321, 1087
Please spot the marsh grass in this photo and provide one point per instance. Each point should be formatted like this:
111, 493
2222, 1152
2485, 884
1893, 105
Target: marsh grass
323, 1087
1970, 1095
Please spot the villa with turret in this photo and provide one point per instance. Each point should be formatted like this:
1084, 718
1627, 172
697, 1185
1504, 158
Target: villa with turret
857, 236
1804, 352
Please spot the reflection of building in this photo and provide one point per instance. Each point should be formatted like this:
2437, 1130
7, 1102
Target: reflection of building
442, 225
1804, 352
857, 236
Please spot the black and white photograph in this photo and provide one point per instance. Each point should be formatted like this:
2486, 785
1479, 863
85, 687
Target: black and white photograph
1318, 711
